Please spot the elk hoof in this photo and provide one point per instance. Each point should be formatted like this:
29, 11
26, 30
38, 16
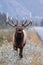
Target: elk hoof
21, 56
14, 48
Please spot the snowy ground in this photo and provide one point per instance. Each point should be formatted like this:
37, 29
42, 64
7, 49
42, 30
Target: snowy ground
32, 54
39, 30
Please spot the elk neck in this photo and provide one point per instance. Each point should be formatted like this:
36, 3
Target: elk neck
19, 37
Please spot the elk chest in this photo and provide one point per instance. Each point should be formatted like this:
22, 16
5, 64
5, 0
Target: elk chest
19, 38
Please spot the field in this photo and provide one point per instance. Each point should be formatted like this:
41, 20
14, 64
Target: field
32, 52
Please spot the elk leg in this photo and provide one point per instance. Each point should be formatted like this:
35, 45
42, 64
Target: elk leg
14, 48
20, 54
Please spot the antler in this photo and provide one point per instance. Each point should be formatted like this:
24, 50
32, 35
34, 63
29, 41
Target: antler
30, 23
25, 23
16, 22
11, 24
12, 21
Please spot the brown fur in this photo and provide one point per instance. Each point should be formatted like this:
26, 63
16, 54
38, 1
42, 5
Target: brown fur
19, 40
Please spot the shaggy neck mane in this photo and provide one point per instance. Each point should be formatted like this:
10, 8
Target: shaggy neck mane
19, 37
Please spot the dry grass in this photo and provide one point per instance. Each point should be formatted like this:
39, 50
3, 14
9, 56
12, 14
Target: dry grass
33, 36
33, 54
6, 35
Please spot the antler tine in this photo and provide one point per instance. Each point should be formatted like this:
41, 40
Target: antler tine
12, 21
7, 18
7, 21
28, 24
16, 21
24, 22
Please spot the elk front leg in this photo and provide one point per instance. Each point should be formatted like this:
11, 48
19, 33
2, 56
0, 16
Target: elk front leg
21, 51
15, 48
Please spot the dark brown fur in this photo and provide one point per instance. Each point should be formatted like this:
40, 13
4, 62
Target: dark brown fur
19, 37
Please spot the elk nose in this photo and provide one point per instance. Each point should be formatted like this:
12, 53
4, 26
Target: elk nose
19, 30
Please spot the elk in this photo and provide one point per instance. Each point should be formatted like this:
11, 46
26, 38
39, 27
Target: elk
19, 38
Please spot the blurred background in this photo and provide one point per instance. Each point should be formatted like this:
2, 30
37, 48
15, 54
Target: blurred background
21, 10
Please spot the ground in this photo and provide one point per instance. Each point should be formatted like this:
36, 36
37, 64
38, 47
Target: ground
32, 52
